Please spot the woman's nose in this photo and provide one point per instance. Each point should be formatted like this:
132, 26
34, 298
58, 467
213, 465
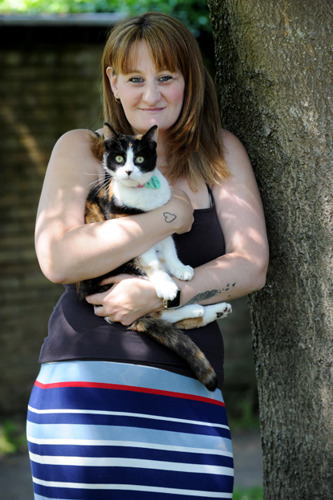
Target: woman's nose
151, 93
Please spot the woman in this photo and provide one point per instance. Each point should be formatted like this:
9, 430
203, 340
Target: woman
113, 414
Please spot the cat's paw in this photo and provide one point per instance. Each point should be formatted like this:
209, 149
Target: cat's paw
216, 311
182, 272
166, 290
223, 310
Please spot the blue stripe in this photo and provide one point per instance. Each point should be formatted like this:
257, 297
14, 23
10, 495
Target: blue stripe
77, 398
69, 494
128, 475
116, 420
130, 452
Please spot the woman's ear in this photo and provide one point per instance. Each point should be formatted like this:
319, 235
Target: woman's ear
112, 79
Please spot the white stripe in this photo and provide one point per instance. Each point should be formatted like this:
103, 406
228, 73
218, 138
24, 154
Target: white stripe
126, 414
133, 487
131, 444
131, 463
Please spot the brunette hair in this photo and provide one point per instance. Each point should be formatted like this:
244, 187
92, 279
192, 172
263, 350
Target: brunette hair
195, 143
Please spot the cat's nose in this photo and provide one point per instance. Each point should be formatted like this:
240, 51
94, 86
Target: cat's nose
128, 172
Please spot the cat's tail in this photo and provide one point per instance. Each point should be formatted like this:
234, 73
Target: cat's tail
167, 334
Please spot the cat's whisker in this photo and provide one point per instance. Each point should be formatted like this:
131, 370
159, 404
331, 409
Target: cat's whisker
99, 184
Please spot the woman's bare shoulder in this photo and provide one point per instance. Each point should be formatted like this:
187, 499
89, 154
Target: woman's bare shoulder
74, 148
75, 137
236, 157
242, 181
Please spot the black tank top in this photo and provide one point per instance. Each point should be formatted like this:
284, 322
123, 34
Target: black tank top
75, 332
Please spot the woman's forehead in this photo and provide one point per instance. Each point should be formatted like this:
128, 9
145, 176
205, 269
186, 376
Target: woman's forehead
140, 51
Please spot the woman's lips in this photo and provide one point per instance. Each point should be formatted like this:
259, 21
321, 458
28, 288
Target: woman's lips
152, 110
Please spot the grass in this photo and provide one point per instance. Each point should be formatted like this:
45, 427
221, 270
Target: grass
255, 493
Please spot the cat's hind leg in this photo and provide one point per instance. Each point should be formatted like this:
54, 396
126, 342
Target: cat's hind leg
194, 311
210, 313
195, 315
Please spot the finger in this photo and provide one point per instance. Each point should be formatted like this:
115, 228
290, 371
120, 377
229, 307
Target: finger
99, 311
96, 299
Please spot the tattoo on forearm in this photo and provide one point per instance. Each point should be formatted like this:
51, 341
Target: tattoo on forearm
208, 294
228, 288
169, 217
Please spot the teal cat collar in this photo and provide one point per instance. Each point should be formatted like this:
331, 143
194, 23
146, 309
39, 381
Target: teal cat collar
153, 183
170, 304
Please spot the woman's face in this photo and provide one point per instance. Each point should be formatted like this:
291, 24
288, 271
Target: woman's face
149, 97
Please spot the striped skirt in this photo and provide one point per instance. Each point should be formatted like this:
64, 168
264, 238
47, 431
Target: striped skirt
103, 430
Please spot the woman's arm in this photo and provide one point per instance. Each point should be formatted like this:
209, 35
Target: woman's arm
243, 268
239, 272
69, 250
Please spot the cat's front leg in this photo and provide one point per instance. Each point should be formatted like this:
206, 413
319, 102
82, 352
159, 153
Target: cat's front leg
171, 260
164, 285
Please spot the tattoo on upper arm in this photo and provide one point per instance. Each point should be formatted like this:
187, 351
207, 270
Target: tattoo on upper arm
169, 217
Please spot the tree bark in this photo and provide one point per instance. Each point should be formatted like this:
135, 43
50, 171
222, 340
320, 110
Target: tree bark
274, 76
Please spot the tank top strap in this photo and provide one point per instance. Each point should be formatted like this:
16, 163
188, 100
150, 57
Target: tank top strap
210, 193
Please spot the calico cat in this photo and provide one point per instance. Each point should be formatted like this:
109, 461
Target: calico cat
133, 185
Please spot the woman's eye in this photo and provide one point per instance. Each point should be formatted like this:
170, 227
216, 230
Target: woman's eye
136, 79
140, 159
165, 78
119, 159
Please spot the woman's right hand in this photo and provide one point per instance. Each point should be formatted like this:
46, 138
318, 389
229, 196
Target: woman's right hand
179, 211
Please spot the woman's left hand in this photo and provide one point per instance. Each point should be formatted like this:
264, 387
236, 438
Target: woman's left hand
129, 298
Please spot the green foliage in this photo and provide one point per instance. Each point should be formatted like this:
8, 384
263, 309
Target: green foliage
248, 494
243, 417
193, 13
12, 437
58, 6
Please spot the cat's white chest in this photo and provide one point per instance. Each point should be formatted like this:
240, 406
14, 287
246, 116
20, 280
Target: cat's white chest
146, 197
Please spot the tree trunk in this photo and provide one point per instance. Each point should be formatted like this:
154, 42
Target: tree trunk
274, 75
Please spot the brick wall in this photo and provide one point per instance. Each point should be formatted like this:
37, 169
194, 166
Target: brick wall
49, 83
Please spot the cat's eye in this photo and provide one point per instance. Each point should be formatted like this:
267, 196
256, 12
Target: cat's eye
139, 159
119, 159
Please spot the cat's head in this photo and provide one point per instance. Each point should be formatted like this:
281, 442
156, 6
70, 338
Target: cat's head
130, 159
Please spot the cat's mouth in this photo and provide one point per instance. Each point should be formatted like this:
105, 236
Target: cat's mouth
134, 183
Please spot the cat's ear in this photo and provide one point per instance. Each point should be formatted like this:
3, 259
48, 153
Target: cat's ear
109, 132
151, 134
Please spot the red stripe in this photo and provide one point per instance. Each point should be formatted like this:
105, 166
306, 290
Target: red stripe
118, 387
